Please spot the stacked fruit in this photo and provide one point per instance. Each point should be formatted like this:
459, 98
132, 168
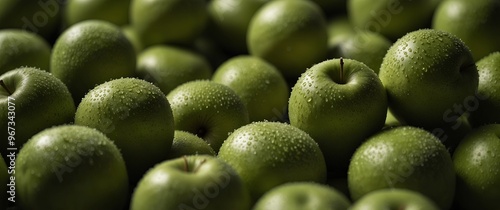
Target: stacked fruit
249, 104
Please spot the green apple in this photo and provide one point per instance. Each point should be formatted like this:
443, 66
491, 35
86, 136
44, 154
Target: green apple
339, 30
191, 182
302, 195
30, 101
209, 49
168, 67
90, 53
113, 11
364, 46
428, 74
40, 17
21, 48
134, 39
391, 121
475, 22
291, 35
397, 199
229, 21
172, 21
71, 167
135, 115
403, 157
484, 109
4, 180
259, 84
340, 103
391, 18
268, 154
207, 109
185, 143
478, 169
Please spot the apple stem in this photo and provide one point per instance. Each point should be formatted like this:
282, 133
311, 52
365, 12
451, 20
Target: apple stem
341, 70
202, 162
186, 166
5, 87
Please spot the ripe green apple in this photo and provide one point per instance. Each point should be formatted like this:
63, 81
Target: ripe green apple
291, 35
302, 195
391, 18
30, 101
261, 86
4, 180
403, 157
71, 167
268, 154
339, 29
340, 103
113, 11
191, 182
185, 143
391, 121
397, 199
207, 109
173, 21
90, 53
21, 48
475, 22
134, 39
168, 67
485, 111
40, 17
478, 169
135, 115
364, 46
229, 21
428, 74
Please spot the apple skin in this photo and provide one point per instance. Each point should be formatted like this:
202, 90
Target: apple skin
172, 22
403, 157
426, 73
207, 109
489, 103
302, 195
38, 100
259, 84
185, 143
478, 169
4, 180
391, 18
22, 48
268, 154
394, 199
113, 11
339, 115
134, 114
339, 29
475, 22
71, 167
364, 46
90, 53
168, 67
291, 35
229, 21
191, 182
40, 17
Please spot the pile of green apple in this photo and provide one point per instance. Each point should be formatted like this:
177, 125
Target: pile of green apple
249, 104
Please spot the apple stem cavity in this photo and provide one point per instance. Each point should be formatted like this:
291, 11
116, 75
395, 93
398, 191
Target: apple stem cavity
5, 87
202, 162
341, 78
186, 165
